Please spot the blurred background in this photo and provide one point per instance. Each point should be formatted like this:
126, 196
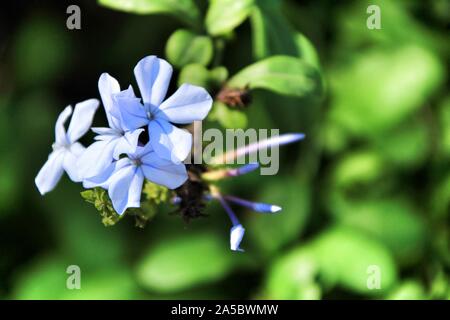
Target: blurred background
370, 186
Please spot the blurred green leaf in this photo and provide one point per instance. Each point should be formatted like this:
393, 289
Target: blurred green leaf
444, 121
440, 198
394, 222
363, 166
405, 146
271, 232
306, 50
11, 178
382, 88
281, 74
398, 27
184, 10
227, 117
225, 15
46, 278
185, 47
41, 51
69, 215
271, 33
184, 261
408, 290
198, 75
293, 276
345, 256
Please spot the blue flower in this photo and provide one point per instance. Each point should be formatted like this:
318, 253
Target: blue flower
66, 149
124, 178
189, 103
113, 141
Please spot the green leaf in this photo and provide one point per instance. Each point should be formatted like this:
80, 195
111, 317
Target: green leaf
394, 222
406, 146
271, 33
408, 290
184, 10
198, 75
293, 276
281, 74
271, 232
444, 121
227, 117
345, 256
184, 261
306, 50
382, 88
46, 279
358, 167
225, 15
185, 47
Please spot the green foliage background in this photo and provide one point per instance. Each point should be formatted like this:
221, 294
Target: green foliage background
369, 186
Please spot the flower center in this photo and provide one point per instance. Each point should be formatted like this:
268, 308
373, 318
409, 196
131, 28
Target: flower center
136, 162
150, 115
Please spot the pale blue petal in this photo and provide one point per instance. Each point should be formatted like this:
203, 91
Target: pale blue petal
236, 235
71, 157
105, 133
102, 180
82, 118
128, 143
163, 172
132, 113
51, 172
108, 86
141, 151
60, 131
153, 78
96, 158
168, 141
188, 104
125, 188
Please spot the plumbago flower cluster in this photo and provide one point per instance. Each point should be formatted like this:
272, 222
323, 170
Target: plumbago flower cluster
136, 163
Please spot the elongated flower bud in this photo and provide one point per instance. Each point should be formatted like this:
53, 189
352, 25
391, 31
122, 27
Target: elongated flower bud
255, 206
233, 172
283, 139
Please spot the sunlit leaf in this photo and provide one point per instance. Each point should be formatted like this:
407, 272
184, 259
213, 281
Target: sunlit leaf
381, 88
346, 256
408, 290
225, 15
281, 74
185, 47
394, 222
184, 10
199, 75
227, 117
293, 276
185, 261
